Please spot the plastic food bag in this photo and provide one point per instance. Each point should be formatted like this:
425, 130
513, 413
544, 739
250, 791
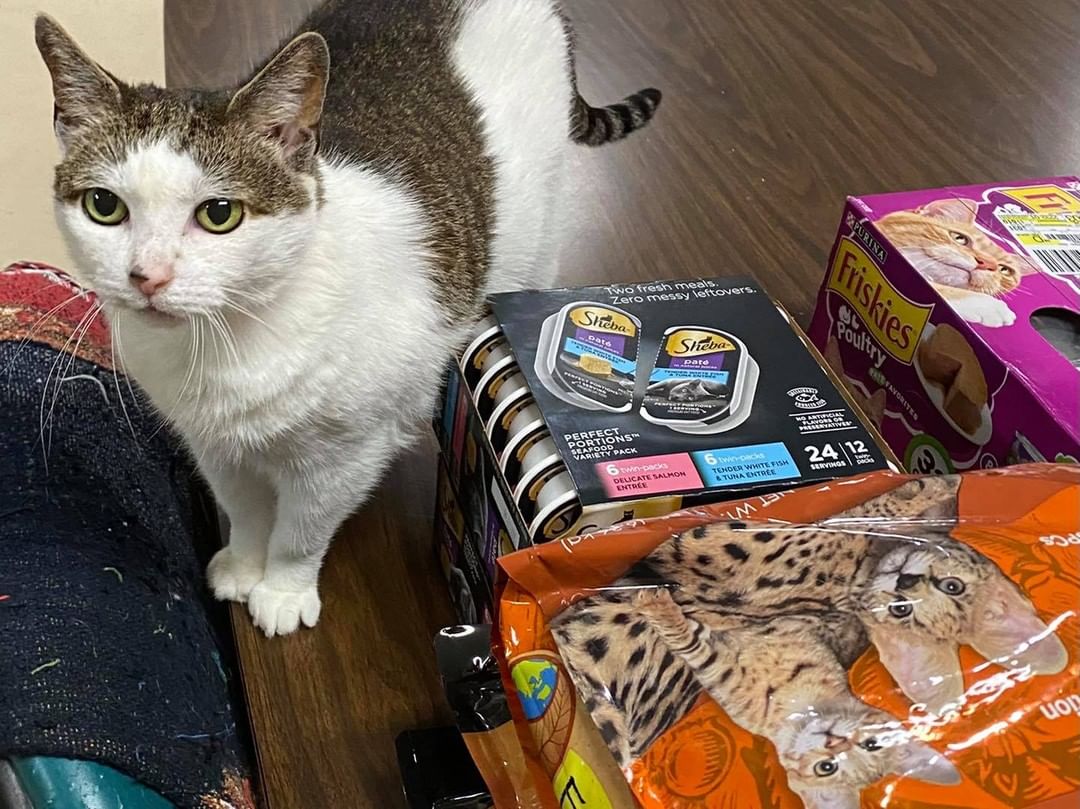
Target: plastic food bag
881, 641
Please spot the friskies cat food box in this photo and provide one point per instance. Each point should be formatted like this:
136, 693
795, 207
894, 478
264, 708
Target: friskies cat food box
575, 409
953, 316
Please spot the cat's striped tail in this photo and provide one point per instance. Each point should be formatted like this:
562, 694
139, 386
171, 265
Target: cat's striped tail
595, 126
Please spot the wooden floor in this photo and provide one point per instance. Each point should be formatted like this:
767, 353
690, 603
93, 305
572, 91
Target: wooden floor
774, 110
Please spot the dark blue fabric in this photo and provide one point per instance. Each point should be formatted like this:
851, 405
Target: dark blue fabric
106, 649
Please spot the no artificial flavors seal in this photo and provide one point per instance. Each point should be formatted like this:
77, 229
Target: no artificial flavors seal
587, 355
703, 381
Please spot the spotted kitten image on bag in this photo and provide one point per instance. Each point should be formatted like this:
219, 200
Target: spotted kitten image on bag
888, 641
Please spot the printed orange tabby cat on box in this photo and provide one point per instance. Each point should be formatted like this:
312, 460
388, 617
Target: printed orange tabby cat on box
967, 267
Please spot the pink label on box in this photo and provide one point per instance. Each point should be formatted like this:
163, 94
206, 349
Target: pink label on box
648, 476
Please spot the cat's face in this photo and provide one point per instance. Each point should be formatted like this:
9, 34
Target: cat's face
178, 204
942, 241
833, 753
929, 595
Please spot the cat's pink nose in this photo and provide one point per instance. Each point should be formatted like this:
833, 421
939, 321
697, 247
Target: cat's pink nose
151, 280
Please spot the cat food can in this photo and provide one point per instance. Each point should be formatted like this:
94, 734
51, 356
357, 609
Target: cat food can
518, 405
703, 381
488, 347
538, 453
557, 518
523, 420
518, 447
504, 372
514, 385
587, 356
530, 492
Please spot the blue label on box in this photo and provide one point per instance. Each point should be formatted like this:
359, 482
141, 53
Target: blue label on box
749, 464
664, 374
620, 364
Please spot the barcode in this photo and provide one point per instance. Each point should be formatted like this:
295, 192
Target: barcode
1073, 238
1059, 262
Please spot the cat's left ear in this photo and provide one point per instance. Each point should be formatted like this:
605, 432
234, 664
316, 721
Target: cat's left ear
284, 101
924, 763
960, 211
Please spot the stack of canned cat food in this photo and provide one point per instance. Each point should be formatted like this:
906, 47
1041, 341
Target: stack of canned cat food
572, 410
528, 460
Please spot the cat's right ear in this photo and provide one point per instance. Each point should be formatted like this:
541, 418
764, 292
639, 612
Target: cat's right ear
928, 672
837, 797
83, 91
284, 101
960, 211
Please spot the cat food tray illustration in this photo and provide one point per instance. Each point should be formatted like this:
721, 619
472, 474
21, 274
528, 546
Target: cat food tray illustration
953, 317
893, 641
679, 387
571, 410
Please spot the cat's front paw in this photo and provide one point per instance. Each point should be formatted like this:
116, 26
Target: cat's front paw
281, 611
656, 604
984, 310
232, 576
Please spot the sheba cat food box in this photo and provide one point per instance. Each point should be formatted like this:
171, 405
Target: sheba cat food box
575, 409
953, 317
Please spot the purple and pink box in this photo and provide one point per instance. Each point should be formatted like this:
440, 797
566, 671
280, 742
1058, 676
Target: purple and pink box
953, 316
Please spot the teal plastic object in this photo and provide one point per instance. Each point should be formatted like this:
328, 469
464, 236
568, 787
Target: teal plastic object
60, 783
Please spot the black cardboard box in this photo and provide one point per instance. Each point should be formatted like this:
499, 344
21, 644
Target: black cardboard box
575, 409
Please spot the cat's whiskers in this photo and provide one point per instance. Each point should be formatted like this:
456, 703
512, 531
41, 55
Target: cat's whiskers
123, 362
64, 361
229, 336
249, 314
194, 350
37, 325
116, 378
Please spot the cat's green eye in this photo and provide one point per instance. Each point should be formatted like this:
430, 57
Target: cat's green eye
103, 206
951, 586
901, 609
1005, 269
826, 767
220, 215
960, 238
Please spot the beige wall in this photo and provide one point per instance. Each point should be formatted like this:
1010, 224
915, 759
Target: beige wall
126, 36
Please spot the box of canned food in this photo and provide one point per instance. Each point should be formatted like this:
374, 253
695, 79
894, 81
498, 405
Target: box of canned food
575, 409
953, 316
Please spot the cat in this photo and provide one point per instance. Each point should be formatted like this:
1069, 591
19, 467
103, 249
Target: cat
786, 680
288, 267
967, 268
919, 593
635, 689
872, 406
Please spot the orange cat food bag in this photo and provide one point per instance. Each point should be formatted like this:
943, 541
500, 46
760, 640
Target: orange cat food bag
883, 641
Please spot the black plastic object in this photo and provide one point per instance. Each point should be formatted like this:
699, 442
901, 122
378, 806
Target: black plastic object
437, 771
471, 677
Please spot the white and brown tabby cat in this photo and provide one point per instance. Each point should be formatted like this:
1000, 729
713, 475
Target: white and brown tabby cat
968, 269
288, 267
785, 679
